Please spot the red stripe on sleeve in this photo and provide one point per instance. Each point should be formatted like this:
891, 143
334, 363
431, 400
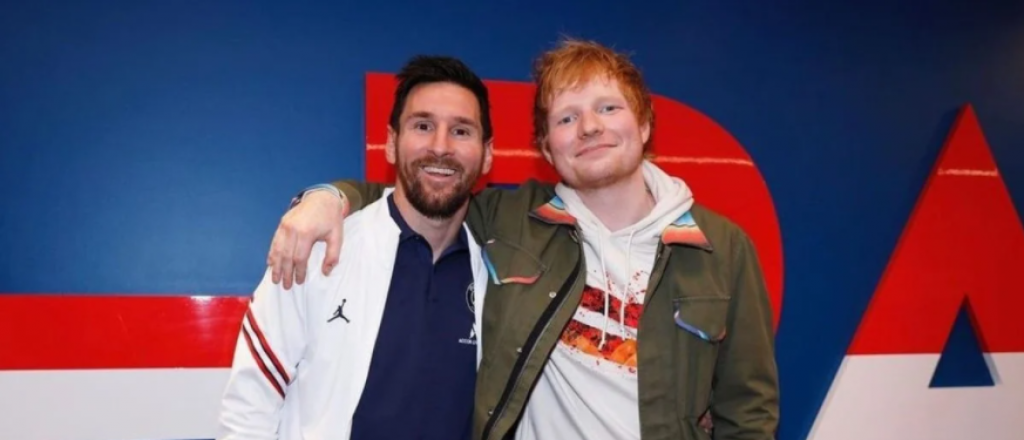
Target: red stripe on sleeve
262, 365
266, 346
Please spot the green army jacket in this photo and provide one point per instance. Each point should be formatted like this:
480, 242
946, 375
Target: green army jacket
705, 338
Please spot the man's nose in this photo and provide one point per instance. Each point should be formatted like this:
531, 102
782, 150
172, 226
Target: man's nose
441, 143
590, 125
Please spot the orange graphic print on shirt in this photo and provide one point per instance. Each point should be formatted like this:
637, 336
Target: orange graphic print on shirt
584, 331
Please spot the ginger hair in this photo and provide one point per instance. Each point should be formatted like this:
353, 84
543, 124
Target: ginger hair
574, 63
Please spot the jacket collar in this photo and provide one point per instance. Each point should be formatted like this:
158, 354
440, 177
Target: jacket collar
684, 230
553, 212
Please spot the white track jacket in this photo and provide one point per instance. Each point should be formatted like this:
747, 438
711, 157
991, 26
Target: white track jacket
297, 373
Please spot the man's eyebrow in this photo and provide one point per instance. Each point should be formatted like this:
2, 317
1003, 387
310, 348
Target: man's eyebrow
420, 114
467, 121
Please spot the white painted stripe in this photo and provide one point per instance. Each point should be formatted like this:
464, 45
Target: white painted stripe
699, 160
129, 404
883, 397
597, 320
964, 172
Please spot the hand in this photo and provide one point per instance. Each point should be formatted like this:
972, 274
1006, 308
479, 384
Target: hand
318, 217
705, 422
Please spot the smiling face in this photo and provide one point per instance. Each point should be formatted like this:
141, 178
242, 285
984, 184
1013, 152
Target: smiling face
594, 138
438, 148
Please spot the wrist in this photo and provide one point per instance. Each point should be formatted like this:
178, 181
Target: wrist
320, 187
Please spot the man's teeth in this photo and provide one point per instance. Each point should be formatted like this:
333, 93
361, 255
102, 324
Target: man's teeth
436, 170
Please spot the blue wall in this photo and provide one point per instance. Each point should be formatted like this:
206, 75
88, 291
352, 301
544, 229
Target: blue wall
150, 147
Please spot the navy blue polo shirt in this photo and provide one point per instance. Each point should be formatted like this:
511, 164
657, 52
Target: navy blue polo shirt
423, 371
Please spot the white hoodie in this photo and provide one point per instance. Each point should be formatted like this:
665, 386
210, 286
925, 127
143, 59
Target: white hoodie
588, 389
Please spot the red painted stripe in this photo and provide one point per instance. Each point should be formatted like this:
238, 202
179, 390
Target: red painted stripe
263, 365
593, 300
55, 331
266, 346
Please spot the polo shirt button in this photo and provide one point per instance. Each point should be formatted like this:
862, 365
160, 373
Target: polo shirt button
552, 294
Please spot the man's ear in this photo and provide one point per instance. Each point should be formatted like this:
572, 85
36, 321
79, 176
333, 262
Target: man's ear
645, 133
389, 148
488, 156
544, 150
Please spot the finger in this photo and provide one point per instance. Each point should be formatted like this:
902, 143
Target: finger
300, 259
705, 422
286, 263
300, 273
277, 250
334, 240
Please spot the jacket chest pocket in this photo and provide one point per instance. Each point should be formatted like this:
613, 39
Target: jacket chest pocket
509, 263
703, 317
515, 296
700, 323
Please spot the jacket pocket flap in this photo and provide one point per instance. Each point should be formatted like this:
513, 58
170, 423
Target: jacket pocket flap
704, 317
510, 264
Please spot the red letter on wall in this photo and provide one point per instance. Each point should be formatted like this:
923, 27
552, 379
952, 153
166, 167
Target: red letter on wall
964, 240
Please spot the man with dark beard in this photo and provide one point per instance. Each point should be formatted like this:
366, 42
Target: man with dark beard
386, 345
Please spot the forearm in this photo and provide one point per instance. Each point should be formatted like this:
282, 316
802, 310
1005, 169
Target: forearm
358, 194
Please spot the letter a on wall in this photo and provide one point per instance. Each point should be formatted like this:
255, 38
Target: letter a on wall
961, 254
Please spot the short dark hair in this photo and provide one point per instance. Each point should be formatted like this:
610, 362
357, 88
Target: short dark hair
424, 69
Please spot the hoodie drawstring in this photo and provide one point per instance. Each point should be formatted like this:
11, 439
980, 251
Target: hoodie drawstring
608, 286
629, 282
624, 299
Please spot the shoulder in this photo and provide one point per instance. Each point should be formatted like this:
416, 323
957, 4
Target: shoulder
724, 234
525, 196
361, 230
712, 221
362, 252
373, 216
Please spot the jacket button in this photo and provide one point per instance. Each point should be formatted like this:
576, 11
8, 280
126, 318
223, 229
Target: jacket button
519, 349
552, 294
490, 412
